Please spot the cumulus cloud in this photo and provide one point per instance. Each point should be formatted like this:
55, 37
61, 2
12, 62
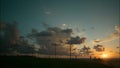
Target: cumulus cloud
36, 47
99, 48
52, 35
85, 50
113, 36
45, 42
76, 40
60, 37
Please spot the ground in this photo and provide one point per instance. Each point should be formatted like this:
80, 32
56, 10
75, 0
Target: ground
32, 62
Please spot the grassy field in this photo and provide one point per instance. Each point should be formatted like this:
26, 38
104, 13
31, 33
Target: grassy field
32, 62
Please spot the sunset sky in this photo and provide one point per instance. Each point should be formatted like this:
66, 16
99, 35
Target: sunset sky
97, 20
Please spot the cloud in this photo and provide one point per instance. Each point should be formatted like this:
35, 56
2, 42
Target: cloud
117, 28
85, 50
76, 40
113, 36
99, 48
36, 47
52, 35
45, 42
78, 32
45, 33
64, 26
60, 37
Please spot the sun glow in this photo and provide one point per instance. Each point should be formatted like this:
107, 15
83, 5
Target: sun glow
104, 55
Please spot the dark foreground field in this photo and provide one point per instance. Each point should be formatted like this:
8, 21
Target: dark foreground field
32, 62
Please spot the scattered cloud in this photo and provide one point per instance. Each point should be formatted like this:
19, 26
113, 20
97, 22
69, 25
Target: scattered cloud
60, 37
85, 50
52, 39
76, 40
99, 48
113, 36
52, 35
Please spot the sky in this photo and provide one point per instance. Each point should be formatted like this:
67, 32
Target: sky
93, 19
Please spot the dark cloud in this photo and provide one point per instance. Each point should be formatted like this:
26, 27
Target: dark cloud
99, 48
34, 31
52, 35
43, 42
45, 33
9, 35
11, 41
76, 40
85, 50
67, 31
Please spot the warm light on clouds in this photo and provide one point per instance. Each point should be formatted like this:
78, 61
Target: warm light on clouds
47, 26
108, 53
115, 35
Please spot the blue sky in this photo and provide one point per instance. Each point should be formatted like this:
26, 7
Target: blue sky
101, 15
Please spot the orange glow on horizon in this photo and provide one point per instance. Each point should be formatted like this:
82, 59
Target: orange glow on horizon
104, 55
